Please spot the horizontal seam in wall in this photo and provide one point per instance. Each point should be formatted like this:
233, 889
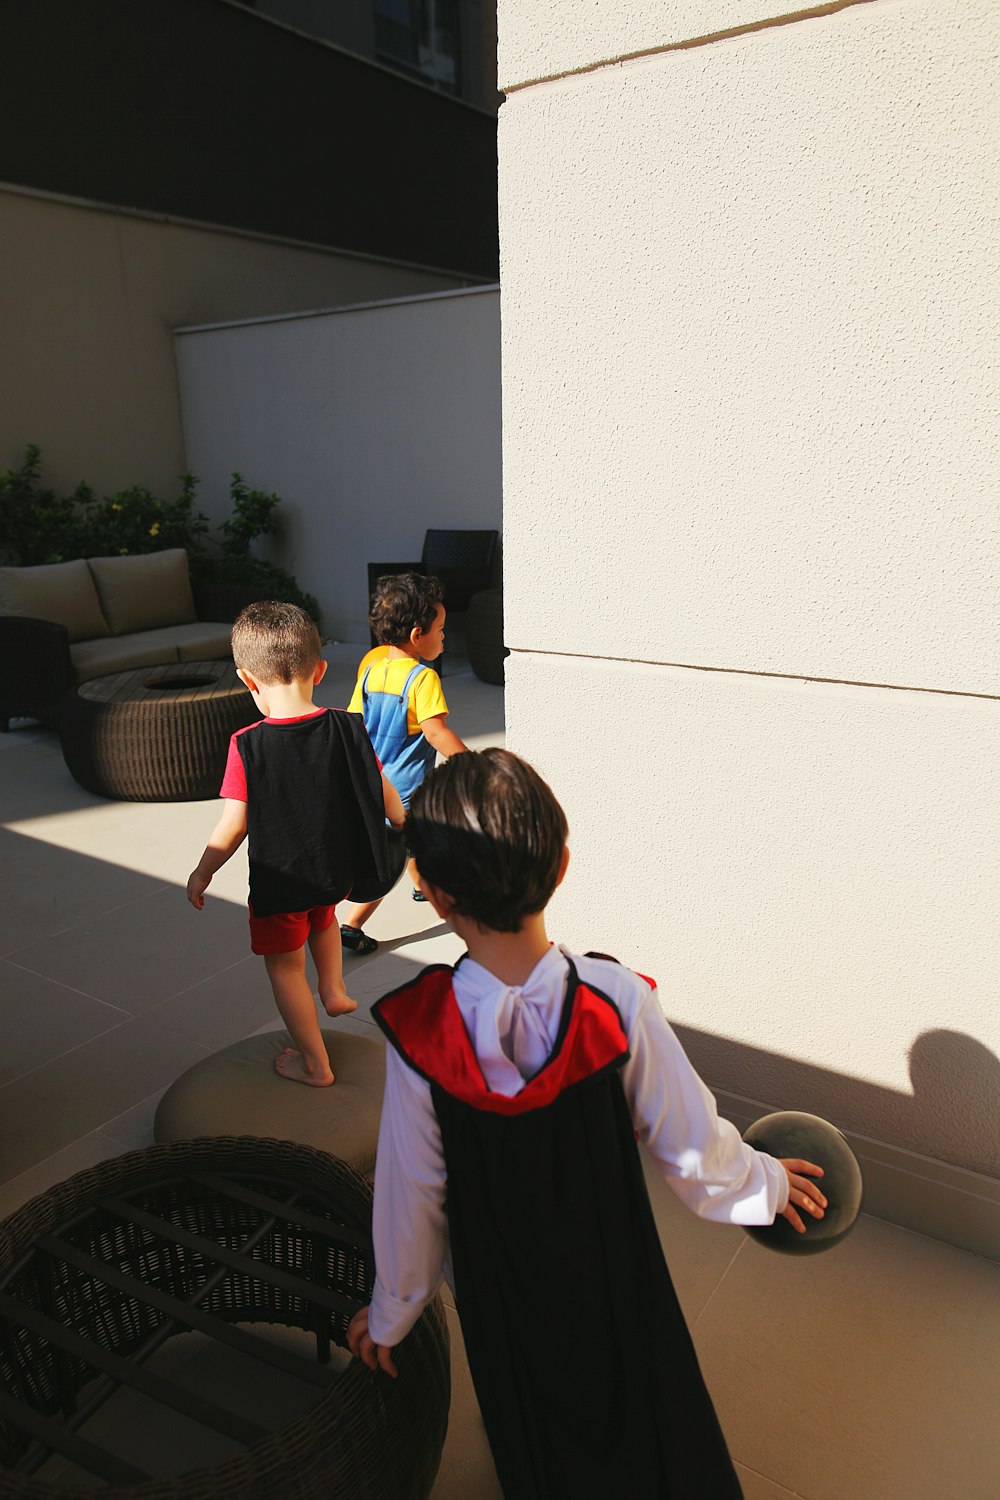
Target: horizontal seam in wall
790, 19
687, 666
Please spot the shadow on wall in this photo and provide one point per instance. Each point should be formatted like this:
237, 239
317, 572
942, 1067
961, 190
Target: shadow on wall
952, 1115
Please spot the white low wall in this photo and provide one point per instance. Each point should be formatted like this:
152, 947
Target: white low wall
373, 423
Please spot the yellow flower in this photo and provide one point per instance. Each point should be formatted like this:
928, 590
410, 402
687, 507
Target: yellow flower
123, 552
154, 529
115, 505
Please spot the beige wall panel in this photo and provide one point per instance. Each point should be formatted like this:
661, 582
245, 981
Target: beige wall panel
88, 301
810, 870
750, 333
538, 41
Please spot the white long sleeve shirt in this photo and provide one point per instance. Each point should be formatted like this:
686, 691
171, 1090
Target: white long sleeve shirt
513, 1030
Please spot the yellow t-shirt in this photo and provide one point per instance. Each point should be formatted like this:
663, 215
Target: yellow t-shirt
426, 698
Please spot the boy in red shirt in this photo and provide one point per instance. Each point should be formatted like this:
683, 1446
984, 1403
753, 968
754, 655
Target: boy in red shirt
305, 784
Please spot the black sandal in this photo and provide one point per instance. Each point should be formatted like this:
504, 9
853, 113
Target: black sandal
356, 941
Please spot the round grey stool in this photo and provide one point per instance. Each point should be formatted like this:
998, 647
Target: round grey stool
237, 1092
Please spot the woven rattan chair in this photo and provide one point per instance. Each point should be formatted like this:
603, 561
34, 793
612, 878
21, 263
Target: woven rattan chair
97, 1273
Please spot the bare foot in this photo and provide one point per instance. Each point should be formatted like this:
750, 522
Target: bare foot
292, 1065
338, 1004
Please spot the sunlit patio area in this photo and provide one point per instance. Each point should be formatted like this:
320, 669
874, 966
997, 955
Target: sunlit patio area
870, 1373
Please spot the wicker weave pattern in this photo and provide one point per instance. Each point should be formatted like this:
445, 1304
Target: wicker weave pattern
367, 1438
123, 739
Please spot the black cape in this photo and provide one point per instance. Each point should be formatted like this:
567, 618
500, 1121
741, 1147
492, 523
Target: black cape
315, 814
585, 1371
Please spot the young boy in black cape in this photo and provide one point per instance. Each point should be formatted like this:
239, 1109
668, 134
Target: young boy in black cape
516, 1084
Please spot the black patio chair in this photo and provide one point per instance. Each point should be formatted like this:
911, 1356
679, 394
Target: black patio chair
464, 561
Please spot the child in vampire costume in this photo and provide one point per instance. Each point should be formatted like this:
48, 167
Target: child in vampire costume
516, 1086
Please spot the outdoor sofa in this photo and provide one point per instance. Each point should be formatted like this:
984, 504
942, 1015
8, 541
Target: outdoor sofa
63, 623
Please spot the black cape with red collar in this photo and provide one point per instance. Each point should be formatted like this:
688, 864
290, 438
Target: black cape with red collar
585, 1372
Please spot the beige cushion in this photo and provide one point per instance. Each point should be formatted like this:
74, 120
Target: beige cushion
123, 653
143, 593
204, 641
237, 1092
62, 592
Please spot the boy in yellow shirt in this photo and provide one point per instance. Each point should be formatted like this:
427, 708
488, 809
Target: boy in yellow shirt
402, 703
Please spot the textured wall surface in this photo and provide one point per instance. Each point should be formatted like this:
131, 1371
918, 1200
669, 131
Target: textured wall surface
88, 302
769, 314
539, 41
810, 871
372, 424
750, 397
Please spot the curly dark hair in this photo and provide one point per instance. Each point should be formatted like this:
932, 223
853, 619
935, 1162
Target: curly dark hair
485, 828
403, 602
276, 642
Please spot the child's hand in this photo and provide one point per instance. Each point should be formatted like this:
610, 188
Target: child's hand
361, 1343
196, 887
801, 1192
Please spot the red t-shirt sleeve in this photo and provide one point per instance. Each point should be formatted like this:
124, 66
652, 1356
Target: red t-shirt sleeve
234, 781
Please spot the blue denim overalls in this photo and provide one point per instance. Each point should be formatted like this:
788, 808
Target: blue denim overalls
406, 758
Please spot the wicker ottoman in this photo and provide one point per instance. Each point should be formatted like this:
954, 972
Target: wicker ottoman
237, 1092
158, 734
484, 635
208, 1237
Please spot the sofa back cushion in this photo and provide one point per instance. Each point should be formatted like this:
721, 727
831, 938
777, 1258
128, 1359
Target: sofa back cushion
62, 592
144, 593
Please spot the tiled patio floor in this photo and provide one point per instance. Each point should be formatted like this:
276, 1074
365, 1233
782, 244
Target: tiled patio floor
868, 1374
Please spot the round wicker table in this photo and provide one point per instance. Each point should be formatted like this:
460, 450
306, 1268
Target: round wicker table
157, 734
209, 1236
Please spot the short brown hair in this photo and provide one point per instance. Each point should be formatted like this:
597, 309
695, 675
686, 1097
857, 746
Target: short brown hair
485, 828
276, 642
403, 602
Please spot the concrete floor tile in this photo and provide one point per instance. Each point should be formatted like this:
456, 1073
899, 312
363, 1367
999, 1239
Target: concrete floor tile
466, 1471
40, 1020
830, 1372
698, 1254
75, 1094
78, 1157
133, 1128
756, 1487
141, 953
221, 1009
45, 890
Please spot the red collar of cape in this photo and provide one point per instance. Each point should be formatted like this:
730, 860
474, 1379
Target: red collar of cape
423, 1022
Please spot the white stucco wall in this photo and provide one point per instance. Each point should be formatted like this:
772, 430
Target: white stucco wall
750, 398
372, 423
89, 296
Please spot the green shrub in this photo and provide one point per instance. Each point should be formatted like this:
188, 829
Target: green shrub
38, 526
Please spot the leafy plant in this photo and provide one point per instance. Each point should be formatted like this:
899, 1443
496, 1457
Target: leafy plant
253, 516
135, 520
38, 526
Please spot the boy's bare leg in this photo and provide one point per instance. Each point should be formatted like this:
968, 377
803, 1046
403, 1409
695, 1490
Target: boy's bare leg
357, 915
329, 960
307, 1061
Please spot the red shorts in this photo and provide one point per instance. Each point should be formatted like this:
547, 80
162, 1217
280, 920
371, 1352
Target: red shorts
287, 931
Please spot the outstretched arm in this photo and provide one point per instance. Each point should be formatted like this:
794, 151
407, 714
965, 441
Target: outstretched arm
409, 1226
445, 741
226, 837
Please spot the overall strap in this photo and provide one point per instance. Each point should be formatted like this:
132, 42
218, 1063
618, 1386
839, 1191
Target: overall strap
411, 678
